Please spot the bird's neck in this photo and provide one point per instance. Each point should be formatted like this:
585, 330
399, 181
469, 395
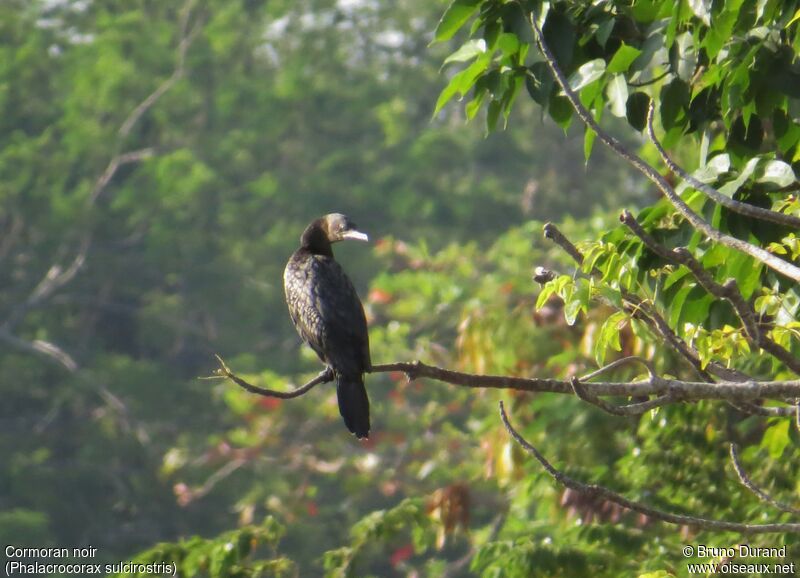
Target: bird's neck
315, 240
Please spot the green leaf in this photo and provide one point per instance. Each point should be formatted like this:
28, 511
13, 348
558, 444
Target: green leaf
596, 107
587, 73
778, 173
609, 335
447, 93
571, 309
695, 309
776, 438
685, 56
467, 51
718, 165
462, 82
559, 33
492, 114
728, 189
722, 29
676, 304
623, 58
474, 105
636, 110
674, 102
676, 275
604, 31
560, 110
589, 137
454, 18
508, 43
617, 95
509, 97
539, 82
701, 9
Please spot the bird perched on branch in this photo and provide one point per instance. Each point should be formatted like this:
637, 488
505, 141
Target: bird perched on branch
328, 315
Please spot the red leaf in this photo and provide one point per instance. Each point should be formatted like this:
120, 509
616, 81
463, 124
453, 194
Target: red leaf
270, 402
401, 555
379, 296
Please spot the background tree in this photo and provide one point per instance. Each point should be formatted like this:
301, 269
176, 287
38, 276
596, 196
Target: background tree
158, 164
283, 112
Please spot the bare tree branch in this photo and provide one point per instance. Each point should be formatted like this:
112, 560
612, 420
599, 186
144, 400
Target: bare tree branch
221, 474
553, 233
45, 349
654, 385
700, 224
224, 372
598, 491
186, 38
761, 494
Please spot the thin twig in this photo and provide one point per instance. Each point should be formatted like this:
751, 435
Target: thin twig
651, 81
761, 494
768, 411
713, 194
631, 409
616, 363
45, 349
700, 224
224, 472
223, 372
598, 491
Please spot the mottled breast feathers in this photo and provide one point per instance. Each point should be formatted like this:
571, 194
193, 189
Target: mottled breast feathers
327, 312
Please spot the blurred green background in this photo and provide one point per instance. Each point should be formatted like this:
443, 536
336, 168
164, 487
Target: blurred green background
284, 111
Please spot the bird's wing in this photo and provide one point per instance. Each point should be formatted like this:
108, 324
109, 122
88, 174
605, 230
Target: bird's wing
345, 336
327, 312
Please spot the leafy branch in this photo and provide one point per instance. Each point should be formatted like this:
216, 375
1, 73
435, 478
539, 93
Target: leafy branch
598, 491
783, 267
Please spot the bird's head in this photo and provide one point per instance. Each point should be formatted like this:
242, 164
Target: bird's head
339, 227
320, 234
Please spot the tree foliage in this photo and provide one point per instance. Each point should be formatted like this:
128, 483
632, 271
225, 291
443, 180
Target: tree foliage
269, 114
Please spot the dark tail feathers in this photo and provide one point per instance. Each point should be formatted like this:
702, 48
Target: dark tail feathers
353, 404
